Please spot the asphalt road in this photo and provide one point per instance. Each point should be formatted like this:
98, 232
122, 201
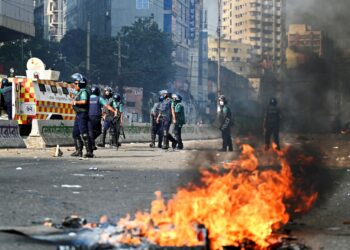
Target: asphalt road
35, 186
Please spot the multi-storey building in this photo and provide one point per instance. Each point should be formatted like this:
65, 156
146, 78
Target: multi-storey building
301, 37
234, 55
16, 19
49, 22
259, 23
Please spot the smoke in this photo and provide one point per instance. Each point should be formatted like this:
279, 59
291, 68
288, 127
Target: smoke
331, 17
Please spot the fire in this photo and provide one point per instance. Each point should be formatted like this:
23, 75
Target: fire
234, 204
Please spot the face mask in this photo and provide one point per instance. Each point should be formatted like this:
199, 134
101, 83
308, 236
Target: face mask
221, 103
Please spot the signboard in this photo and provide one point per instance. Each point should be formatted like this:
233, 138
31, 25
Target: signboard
192, 19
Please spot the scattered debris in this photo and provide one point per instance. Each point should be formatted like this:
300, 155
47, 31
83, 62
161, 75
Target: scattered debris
58, 152
70, 186
93, 168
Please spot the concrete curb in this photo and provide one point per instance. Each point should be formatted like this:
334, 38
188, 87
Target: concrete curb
10, 136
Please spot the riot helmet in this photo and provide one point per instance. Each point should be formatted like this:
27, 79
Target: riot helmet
5, 82
117, 97
222, 100
95, 90
110, 92
82, 82
163, 92
273, 101
177, 97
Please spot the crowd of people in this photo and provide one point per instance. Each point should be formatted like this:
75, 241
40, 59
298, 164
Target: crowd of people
97, 113
167, 114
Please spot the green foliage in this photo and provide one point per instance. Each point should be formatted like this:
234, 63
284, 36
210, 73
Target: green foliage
146, 56
148, 63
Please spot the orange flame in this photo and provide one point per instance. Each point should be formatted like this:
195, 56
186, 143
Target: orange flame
239, 203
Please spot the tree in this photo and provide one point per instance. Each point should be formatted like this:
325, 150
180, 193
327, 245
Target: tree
148, 62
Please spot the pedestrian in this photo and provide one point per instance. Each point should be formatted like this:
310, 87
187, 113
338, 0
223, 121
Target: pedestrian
96, 104
117, 120
107, 115
179, 119
156, 125
81, 107
6, 92
225, 123
271, 124
167, 115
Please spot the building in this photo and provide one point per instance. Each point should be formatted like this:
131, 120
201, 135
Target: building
302, 42
234, 55
183, 19
259, 23
49, 21
198, 71
16, 19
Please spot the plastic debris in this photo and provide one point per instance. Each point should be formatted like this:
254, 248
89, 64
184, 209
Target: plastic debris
70, 186
19, 168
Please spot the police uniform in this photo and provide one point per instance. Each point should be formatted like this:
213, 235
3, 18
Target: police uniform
95, 112
180, 121
166, 122
6, 92
116, 123
80, 129
225, 123
156, 127
271, 125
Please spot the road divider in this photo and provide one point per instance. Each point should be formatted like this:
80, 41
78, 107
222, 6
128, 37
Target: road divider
9, 135
49, 133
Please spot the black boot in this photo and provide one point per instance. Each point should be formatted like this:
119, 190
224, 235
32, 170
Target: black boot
78, 148
165, 141
103, 139
88, 146
153, 140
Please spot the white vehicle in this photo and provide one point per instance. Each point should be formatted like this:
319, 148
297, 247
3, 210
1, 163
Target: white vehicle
39, 95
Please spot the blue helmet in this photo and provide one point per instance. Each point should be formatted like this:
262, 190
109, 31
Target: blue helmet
109, 90
5, 82
95, 90
82, 82
117, 97
176, 97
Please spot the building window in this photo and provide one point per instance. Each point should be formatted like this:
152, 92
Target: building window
142, 4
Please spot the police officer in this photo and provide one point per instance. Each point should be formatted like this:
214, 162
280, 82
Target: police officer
167, 116
271, 124
95, 113
81, 107
179, 119
107, 115
156, 126
6, 91
117, 120
225, 123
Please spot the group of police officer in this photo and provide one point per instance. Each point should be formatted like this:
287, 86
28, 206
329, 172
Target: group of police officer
271, 124
168, 111
90, 109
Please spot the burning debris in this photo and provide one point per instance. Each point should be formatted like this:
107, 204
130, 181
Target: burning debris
239, 206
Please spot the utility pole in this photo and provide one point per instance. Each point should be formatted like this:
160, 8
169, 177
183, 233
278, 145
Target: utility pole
119, 57
88, 48
219, 47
